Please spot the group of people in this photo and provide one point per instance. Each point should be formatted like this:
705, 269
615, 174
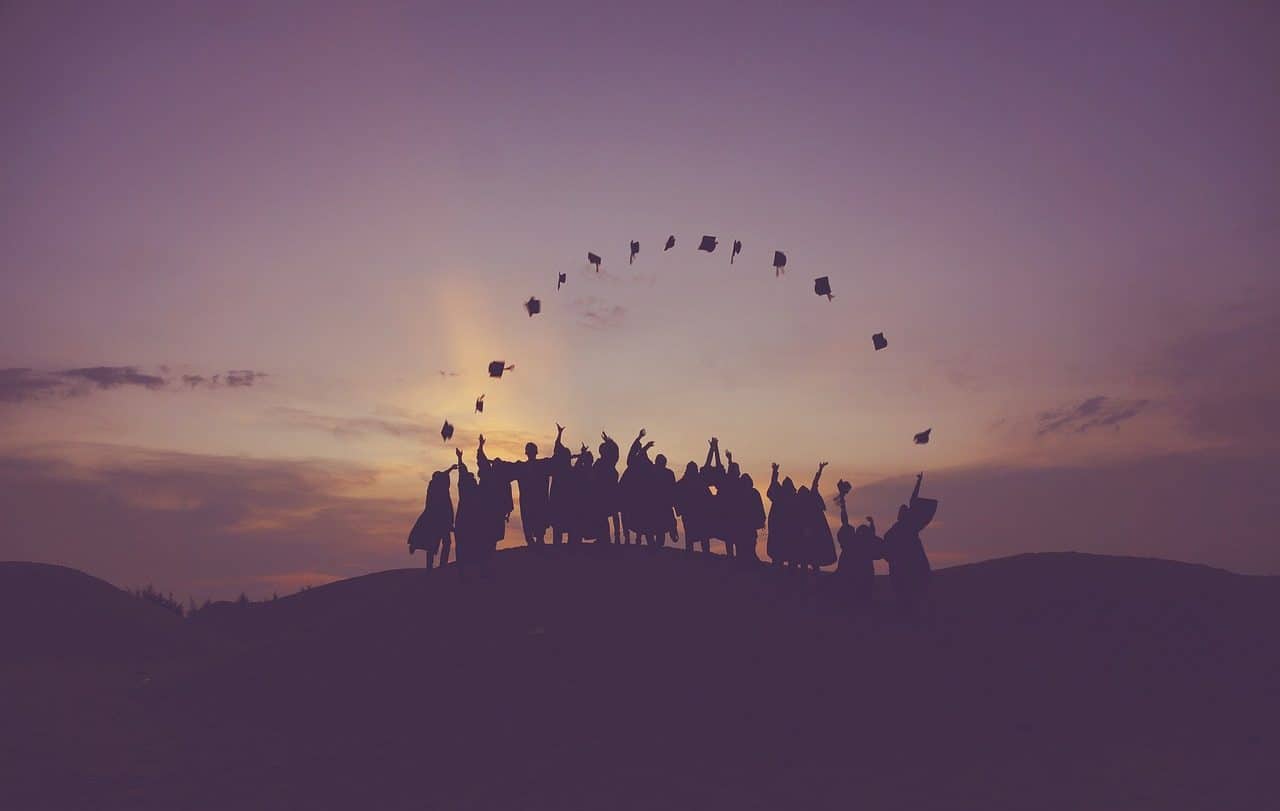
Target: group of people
582, 497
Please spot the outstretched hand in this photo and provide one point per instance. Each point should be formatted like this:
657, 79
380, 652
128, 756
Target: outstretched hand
648, 445
822, 465
729, 455
482, 440
775, 467
559, 429
459, 452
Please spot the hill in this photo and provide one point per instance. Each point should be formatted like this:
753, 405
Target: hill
618, 678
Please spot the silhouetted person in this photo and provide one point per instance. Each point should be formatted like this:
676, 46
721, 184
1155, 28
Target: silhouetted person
781, 545
534, 477
909, 569
728, 503
817, 547
749, 519
468, 525
497, 504
431, 532
713, 474
661, 497
859, 549
634, 486
693, 503
608, 489
560, 502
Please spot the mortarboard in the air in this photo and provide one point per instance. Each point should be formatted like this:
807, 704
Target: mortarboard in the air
635, 249
497, 367
447, 431
779, 262
564, 277
671, 242
737, 249
479, 405
922, 438
593, 259
708, 244
822, 286
533, 306
878, 341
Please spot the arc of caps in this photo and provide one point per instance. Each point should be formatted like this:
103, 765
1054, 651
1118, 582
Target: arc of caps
480, 404
779, 263
533, 306
708, 244
564, 277
446, 431
635, 249
497, 367
594, 260
922, 438
737, 249
879, 341
671, 242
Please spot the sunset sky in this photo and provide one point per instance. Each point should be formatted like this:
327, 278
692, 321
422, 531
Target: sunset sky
1064, 217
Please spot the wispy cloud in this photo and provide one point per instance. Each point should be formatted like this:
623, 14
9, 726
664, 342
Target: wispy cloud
1095, 412
22, 384
599, 314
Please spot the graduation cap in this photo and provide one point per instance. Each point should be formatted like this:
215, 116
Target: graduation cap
635, 249
671, 242
479, 409
497, 367
779, 262
593, 259
737, 249
822, 286
922, 438
533, 306
564, 277
447, 431
878, 341
708, 244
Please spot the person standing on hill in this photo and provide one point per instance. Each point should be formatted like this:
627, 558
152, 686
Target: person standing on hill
661, 498
749, 519
534, 477
693, 502
817, 547
605, 474
469, 528
497, 504
432, 530
781, 546
859, 549
909, 569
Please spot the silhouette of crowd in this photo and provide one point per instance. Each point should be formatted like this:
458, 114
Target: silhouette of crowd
578, 497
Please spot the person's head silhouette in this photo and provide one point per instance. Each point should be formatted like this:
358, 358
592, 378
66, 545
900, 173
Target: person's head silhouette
531, 450
661, 461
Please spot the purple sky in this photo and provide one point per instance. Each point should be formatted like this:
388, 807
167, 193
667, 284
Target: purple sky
1065, 218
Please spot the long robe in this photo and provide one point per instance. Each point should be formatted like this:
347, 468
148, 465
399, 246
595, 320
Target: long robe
436, 520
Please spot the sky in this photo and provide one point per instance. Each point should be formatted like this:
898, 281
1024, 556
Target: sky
255, 254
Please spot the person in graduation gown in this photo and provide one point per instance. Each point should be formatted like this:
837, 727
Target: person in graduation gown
534, 478
781, 544
662, 499
909, 570
607, 488
692, 503
749, 519
728, 504
818, 547
560, 501
859, 549
634, 486
713, 473
468, 525
495, 489
431, 532
593, 521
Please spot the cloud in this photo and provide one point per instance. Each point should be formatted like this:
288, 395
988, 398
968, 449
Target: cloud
239, 378
1095, 412
209, 526
20, 385
356, 427
110, 377
598, 314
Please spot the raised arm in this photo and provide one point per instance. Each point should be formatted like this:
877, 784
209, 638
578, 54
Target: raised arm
461, 466
774, 487
711, 447
816, 476
844, 513
560, 437
482, 461
915, 494
636, 449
